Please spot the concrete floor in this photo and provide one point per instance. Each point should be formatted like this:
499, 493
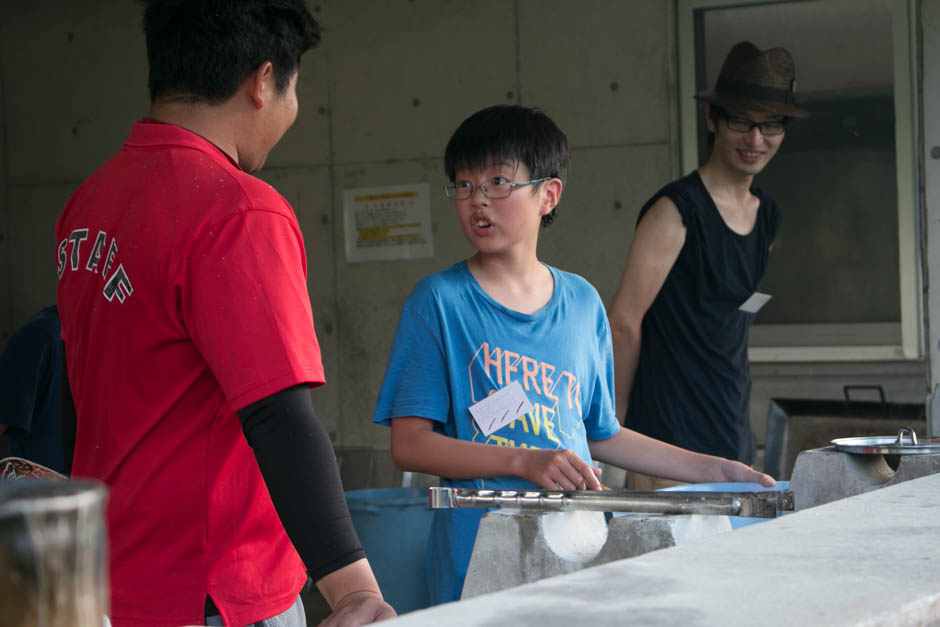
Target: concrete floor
871, 559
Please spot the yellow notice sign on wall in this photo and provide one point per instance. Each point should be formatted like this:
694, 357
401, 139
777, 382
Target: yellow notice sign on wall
392, 222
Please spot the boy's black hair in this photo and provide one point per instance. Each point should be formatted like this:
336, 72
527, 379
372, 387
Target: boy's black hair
509, 132
203, 50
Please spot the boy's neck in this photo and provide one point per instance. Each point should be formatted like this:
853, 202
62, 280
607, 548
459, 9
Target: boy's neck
521, 284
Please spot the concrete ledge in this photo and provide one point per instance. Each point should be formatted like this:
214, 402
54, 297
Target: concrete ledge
867, 560
513, 548
824, 475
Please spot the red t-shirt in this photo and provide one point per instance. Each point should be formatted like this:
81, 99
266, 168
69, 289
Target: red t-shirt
182, 292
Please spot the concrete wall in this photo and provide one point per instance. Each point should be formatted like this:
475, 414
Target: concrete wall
930, 29
379, 99
72, 86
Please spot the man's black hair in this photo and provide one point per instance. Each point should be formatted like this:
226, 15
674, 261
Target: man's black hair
717, 114
509, 133
203, 50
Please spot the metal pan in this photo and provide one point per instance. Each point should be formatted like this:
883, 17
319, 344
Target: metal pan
905, 442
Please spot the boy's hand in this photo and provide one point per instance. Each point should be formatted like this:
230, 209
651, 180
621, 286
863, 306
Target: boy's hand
563, 469
736, 471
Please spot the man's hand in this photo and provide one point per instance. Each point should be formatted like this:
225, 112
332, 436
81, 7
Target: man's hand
354, 595
551, 470
728, 470
359, 608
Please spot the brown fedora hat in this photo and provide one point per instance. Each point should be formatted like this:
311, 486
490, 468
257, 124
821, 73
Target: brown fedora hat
751, 78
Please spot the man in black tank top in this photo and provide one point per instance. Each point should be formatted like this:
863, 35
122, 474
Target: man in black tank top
699, 252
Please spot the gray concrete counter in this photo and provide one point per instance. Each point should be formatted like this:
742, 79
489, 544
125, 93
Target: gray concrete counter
872, 559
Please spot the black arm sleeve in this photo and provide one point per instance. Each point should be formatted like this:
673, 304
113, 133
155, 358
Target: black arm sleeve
68, 418
299, 467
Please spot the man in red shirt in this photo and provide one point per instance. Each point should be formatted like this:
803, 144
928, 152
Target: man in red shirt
190, 343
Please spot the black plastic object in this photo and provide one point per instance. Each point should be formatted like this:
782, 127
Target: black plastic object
795, 425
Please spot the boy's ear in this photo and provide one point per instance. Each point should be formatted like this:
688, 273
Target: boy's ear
552, 194
260, 84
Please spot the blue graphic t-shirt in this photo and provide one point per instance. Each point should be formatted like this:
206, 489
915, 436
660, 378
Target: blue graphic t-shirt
455, 345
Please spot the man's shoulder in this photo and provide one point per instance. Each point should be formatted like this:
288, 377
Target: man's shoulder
260, 193
690, 181
225, 178
227, 189
766, 200
196, 166
684, 193
41, 328
46, 319
688, 189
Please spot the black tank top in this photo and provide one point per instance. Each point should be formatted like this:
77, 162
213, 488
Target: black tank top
692, 385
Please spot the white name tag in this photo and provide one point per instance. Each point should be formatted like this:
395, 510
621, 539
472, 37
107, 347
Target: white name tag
500, 408
755, 302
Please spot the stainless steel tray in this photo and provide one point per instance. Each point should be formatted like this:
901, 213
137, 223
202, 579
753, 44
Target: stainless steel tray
905, 442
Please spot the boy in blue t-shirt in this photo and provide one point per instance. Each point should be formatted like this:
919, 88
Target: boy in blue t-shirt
530, 339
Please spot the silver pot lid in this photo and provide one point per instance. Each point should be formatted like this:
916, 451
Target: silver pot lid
905, 442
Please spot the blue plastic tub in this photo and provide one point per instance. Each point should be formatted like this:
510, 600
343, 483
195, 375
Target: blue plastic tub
736, 521
393, 526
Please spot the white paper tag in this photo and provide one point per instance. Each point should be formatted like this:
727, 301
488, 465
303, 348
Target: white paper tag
500, 408
755, 302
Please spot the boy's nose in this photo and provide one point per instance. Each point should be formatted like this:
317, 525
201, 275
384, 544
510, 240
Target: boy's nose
474, 196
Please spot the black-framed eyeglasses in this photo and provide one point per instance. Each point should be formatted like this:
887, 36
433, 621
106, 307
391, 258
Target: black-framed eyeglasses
496, 187
769, 128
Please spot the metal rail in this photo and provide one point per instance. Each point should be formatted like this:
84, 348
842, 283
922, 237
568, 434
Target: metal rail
747, 504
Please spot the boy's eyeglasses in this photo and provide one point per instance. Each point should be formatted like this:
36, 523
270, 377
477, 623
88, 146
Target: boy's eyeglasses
744, 125
497, 187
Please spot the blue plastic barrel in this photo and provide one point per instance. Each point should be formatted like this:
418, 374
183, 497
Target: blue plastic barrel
393, 526
736, 521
